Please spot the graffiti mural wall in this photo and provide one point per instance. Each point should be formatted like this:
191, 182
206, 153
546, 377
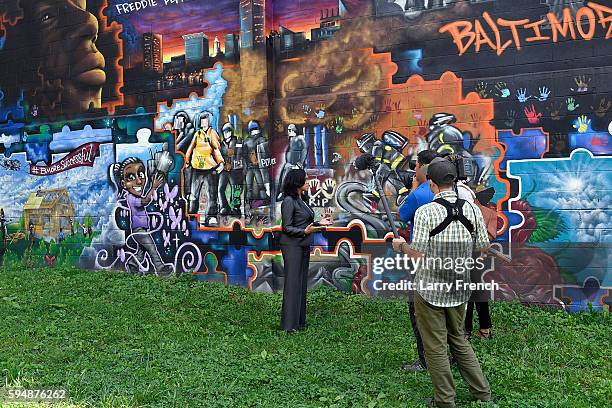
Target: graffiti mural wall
153, 137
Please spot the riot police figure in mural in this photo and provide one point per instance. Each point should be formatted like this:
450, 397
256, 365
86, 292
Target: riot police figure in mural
388, 153
184, 136
184, 129
232, 176
445, 138
206, 162
258, 162
295, 155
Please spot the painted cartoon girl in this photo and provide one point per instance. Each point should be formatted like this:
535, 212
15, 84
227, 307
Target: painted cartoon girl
131, 180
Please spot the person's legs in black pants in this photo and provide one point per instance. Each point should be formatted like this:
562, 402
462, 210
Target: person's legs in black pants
292, 296
484, 317
419, 342
479, 299
469, 317
304, 281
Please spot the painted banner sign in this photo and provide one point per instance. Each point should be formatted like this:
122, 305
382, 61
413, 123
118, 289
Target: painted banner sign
84, 155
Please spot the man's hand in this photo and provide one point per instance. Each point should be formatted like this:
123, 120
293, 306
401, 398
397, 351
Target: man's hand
398, 243
219, 167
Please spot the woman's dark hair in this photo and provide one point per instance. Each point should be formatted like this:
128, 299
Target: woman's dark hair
293, 181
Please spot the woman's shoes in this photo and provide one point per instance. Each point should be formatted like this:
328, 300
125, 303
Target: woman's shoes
485, 334
300, 327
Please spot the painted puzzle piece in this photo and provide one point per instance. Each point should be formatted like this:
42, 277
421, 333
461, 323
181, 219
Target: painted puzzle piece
574, 188
597, 142
577, 298
529, 144
210, 271
67, 140
211, 101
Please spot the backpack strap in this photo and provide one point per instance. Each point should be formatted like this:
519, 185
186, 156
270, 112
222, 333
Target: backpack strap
454, 212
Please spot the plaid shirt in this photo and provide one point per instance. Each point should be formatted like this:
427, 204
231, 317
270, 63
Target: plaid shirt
444, 249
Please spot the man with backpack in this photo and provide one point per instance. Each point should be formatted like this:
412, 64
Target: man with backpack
447, 228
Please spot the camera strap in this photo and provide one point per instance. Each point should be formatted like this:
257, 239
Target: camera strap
454, 212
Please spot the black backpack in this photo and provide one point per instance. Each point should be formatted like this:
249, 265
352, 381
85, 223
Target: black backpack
454, 212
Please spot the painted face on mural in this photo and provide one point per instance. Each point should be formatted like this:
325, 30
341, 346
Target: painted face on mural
204, 123
63, 36
179, 122
134, 179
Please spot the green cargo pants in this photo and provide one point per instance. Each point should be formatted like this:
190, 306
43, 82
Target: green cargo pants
439, 327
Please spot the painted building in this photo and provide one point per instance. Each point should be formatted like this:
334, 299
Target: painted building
49, 211
152, 52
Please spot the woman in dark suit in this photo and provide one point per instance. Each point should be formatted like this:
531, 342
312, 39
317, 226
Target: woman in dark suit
295, 241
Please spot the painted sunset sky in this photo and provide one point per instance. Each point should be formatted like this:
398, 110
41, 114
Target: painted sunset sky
178, 18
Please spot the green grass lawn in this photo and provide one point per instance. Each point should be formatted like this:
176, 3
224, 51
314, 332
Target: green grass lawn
114, 340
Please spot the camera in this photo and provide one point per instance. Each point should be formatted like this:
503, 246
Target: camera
465, 167
412, 164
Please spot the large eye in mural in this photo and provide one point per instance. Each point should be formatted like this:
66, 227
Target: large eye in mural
46, 17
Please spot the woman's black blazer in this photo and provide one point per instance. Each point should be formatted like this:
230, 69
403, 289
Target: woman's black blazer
297, 215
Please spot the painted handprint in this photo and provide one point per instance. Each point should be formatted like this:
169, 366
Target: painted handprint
327, 216
314, 184
510, 118
582, 83
582, 124
544, 94
481, 89
521, 95
338, 125
558, 143
502, 90
320, 114
328, 188
604, 106
533, 117
555, 110
422, 127
247, 110
571, 104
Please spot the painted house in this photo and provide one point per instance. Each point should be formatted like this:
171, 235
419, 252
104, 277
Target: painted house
48, 211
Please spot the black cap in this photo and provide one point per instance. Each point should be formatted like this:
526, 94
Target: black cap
441, 171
